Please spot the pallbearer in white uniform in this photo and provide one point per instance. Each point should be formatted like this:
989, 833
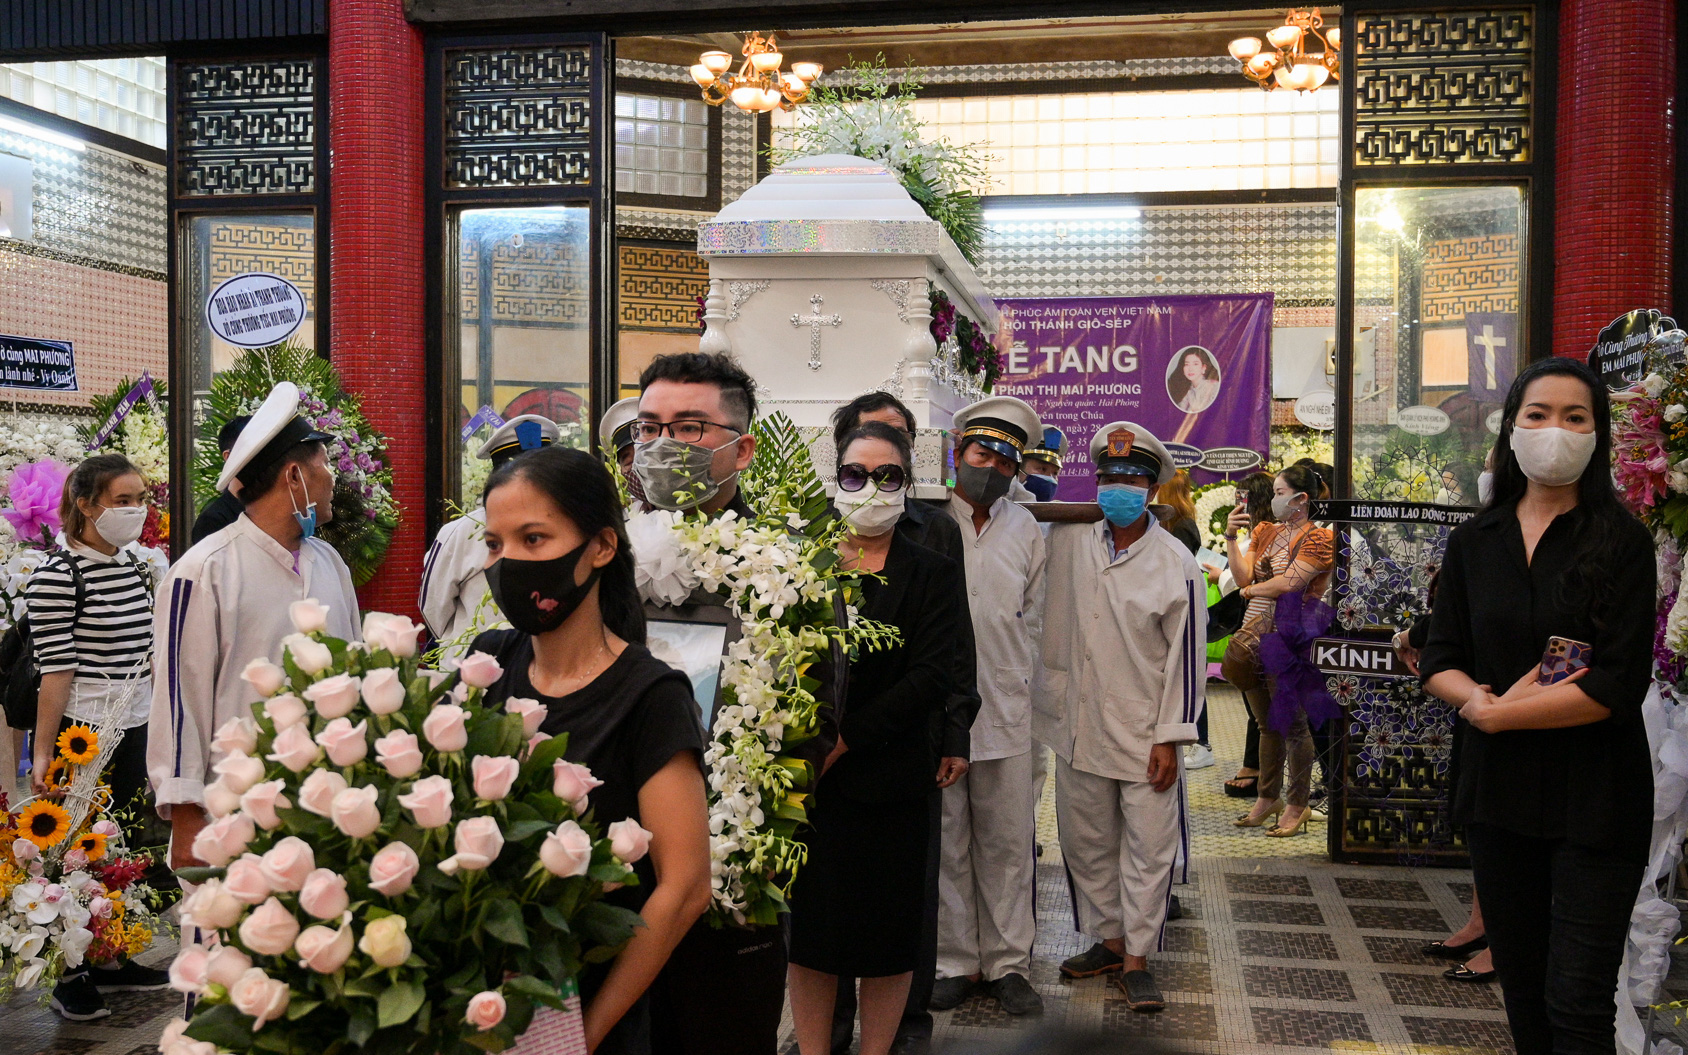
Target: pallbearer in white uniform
454, 573
986, 878
1120, 689
615, 439
225, 603
1042, 466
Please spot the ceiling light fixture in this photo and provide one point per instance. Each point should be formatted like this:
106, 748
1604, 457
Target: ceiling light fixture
1290, 64
12, 124
758, 86
1061, 213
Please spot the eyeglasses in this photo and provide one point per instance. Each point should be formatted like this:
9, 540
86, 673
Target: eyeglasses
685, 430
853, 477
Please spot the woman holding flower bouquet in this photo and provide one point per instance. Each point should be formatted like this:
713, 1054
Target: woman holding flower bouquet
562, 574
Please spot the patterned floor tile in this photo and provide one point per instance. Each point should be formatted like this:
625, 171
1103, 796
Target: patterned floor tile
1297, 983
1400, 950
1267, 883
1355, 888
1287, 944
1285, 913
1432, 990
1178, 1021
1422, 920
1458, 1036
134, 1009
1464, 891
981, 1012
1295, 1028
1180, 938
1182, 976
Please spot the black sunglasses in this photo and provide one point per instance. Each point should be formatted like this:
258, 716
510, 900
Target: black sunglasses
853, 477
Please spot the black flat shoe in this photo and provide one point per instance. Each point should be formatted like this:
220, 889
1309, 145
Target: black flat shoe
1443, 951
1462, 973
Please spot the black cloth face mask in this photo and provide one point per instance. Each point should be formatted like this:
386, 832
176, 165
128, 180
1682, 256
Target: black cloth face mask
538, 595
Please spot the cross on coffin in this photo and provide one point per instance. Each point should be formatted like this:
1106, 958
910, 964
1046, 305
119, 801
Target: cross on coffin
815, 320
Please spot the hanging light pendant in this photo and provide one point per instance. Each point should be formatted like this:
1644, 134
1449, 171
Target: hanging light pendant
758, 86
1290, 64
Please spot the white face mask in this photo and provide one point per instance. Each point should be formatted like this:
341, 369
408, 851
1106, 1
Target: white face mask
870, 512
1553, 456
1485, 486
121, 525
1281, 505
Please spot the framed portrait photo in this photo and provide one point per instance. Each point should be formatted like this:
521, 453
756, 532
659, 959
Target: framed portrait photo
692, 639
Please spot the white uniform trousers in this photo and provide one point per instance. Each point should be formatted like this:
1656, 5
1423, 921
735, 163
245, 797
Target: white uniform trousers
1120, 842
987, 875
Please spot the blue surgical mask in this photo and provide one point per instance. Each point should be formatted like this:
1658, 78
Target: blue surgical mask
1122, 504
307, 520
1041, 487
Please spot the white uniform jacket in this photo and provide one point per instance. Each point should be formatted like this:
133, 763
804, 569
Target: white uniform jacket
454, 579
1005, 570
223, 605
1124, 649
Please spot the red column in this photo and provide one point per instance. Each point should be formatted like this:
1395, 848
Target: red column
1615, 172
375, 95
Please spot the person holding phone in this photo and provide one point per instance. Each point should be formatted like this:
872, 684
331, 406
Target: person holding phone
1553, 783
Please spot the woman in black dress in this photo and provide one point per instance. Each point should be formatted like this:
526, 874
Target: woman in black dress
1553, 784
562, 573
856, 905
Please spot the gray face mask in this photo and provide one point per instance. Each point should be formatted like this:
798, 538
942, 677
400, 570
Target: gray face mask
676, 475
981, 483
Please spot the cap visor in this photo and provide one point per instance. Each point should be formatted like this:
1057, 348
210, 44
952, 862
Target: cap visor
1002, 447
1127, 467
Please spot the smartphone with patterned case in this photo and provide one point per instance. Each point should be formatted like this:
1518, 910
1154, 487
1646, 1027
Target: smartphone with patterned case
1563, 658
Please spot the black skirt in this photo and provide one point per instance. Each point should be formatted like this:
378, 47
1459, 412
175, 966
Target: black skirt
857, 904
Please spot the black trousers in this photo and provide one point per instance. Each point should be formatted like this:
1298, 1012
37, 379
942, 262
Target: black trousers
917, 1015
1557, 916
126, 773
720, 993
1251, 741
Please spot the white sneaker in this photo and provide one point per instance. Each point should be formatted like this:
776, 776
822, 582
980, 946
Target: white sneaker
1198, 756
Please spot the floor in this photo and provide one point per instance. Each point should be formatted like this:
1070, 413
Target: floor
1279, 952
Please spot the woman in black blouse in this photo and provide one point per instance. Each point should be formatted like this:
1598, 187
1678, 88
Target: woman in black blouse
1553, 785
856, 905
562, 573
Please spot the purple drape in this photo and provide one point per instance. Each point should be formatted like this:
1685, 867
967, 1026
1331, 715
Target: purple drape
1285, 654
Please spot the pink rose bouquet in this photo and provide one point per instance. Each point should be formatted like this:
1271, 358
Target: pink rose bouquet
395, 863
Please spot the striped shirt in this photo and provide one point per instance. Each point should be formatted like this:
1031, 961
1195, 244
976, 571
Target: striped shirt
112, 635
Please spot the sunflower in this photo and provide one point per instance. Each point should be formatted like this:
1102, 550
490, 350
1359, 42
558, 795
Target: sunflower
79, 745
44, 823
56, 772
92, 844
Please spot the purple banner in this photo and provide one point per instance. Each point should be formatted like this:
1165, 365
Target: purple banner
1194, 370
1491, 343
140, 390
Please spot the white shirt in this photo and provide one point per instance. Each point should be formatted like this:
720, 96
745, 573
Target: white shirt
223, 605
1005, 565
1124, 653
454, 582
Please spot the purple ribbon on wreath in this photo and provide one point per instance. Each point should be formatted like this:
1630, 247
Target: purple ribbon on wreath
1285, 655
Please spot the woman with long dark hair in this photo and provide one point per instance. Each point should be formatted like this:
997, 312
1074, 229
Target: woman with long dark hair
1254, 493
1552, 783
1194, 385
562, 573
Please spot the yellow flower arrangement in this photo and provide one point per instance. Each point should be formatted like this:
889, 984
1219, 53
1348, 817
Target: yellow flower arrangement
79, 745
56, 773
93, 844
44, 823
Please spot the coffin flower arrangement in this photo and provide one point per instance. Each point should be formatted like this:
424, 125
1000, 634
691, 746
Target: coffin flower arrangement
393, 865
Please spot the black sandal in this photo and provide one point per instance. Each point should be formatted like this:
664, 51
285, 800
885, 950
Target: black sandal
1443, 951
1462, 973
1242, 787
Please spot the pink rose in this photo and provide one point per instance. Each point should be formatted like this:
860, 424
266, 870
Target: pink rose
532, 712
212, 906
286, 711
392, 869
325, 950
334, 697
485, 1010
399, 754
187, 970
173, 1042
429, 802
218, 842
317, 792
309, 616
264, 677
245, 880
220, 799
295, 749
239, 771
101, 907
75, 858
269, 930
628, 841
24, 850
478, 843
261, 801
394, 633
345, 743
236, 735
309, 655
479, 670
287, 863
383, 691
573, 782
386, 942
260, 996
494, 776
534, 741
324, 894
446, 727
108, 829
355, 811
566, 851
227, 965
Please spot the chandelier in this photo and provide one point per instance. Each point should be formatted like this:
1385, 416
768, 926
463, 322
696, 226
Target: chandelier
758, 86
1290, 64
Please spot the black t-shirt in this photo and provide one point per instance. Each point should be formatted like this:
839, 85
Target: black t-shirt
624, 725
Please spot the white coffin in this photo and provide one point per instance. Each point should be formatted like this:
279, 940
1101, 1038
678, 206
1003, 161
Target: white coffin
819, 278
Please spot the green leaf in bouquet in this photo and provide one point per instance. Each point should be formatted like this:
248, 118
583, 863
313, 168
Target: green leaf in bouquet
545, 755
608, 926
362, 1024
791, 811
305, 824
520, 830
400, 1001
549, 955
461, 980
198, 873
221, 1025
556, 918
540, 990
611, 870
424, 1016
504, 922
370, 984
299, 1008
486, 736
422, 917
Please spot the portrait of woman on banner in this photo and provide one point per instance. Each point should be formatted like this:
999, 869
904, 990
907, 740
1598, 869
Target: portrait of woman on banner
1192, 379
